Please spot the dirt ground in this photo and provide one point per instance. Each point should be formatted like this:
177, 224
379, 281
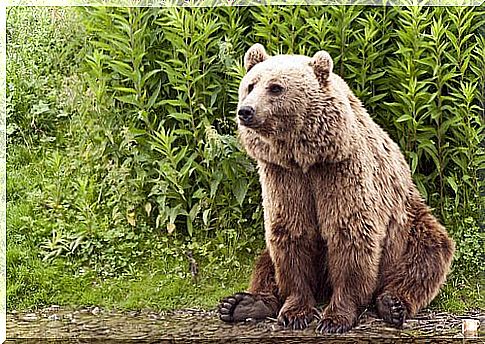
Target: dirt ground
93, 325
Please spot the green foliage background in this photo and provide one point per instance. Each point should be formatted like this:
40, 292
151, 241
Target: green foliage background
122, 153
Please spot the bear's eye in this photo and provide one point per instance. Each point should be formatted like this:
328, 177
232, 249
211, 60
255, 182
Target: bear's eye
276, 89
250, 88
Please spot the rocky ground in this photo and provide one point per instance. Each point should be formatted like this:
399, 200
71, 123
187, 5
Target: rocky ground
93, 325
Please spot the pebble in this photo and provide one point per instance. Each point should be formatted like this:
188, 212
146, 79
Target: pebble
54, 317
95, 311
53, 308
29, 317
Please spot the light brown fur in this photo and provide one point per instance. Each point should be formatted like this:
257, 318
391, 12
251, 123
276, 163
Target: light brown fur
344, 222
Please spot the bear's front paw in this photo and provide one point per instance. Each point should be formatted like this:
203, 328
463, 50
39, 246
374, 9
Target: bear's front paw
296, 319
391, 309
242, 306
334, 323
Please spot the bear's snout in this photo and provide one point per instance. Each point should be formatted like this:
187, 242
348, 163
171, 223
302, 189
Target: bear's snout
246, 115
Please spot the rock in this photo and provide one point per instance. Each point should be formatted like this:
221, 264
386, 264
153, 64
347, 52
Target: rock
29, 317
470, 327
53, 308
153, 316
53, 317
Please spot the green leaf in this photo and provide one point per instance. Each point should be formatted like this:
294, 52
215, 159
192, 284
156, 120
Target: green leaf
240, 190
180, 116
205, 216
404, 118
452, 183
129, 99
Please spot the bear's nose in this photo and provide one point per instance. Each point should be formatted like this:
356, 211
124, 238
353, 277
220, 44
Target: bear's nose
246, 114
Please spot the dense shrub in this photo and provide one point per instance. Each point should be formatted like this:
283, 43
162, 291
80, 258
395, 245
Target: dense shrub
174, 73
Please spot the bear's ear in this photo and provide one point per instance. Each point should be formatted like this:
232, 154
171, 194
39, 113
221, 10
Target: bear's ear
254, 55
322, 65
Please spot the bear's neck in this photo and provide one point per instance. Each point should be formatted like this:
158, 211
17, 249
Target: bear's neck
266, 150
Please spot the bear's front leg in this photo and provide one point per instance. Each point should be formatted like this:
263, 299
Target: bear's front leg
293, 242
353, 260
295, 276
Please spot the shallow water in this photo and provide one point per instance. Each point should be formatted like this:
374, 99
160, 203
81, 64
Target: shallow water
92, 325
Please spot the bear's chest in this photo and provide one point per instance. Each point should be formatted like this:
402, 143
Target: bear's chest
342, 193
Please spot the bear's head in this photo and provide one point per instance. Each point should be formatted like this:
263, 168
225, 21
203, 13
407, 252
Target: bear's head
294, 99
278, 91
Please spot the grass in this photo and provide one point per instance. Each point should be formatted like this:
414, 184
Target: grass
161, 284
460, 297
37, 285
34, 283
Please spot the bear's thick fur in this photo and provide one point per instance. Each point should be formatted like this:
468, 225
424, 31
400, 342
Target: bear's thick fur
344, 223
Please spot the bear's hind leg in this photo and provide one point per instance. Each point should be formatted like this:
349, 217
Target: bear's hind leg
260, 302
415, 279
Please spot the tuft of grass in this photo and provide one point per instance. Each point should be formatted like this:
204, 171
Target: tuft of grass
461, 297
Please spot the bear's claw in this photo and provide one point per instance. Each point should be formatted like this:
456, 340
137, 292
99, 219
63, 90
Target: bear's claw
295, 322
333, 324
391, 310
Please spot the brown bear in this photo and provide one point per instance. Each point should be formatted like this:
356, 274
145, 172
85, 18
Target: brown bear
344, 222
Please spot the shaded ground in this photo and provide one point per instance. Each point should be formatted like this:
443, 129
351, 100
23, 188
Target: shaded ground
92, 325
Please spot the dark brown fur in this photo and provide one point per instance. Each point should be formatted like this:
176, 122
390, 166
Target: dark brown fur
344, 222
